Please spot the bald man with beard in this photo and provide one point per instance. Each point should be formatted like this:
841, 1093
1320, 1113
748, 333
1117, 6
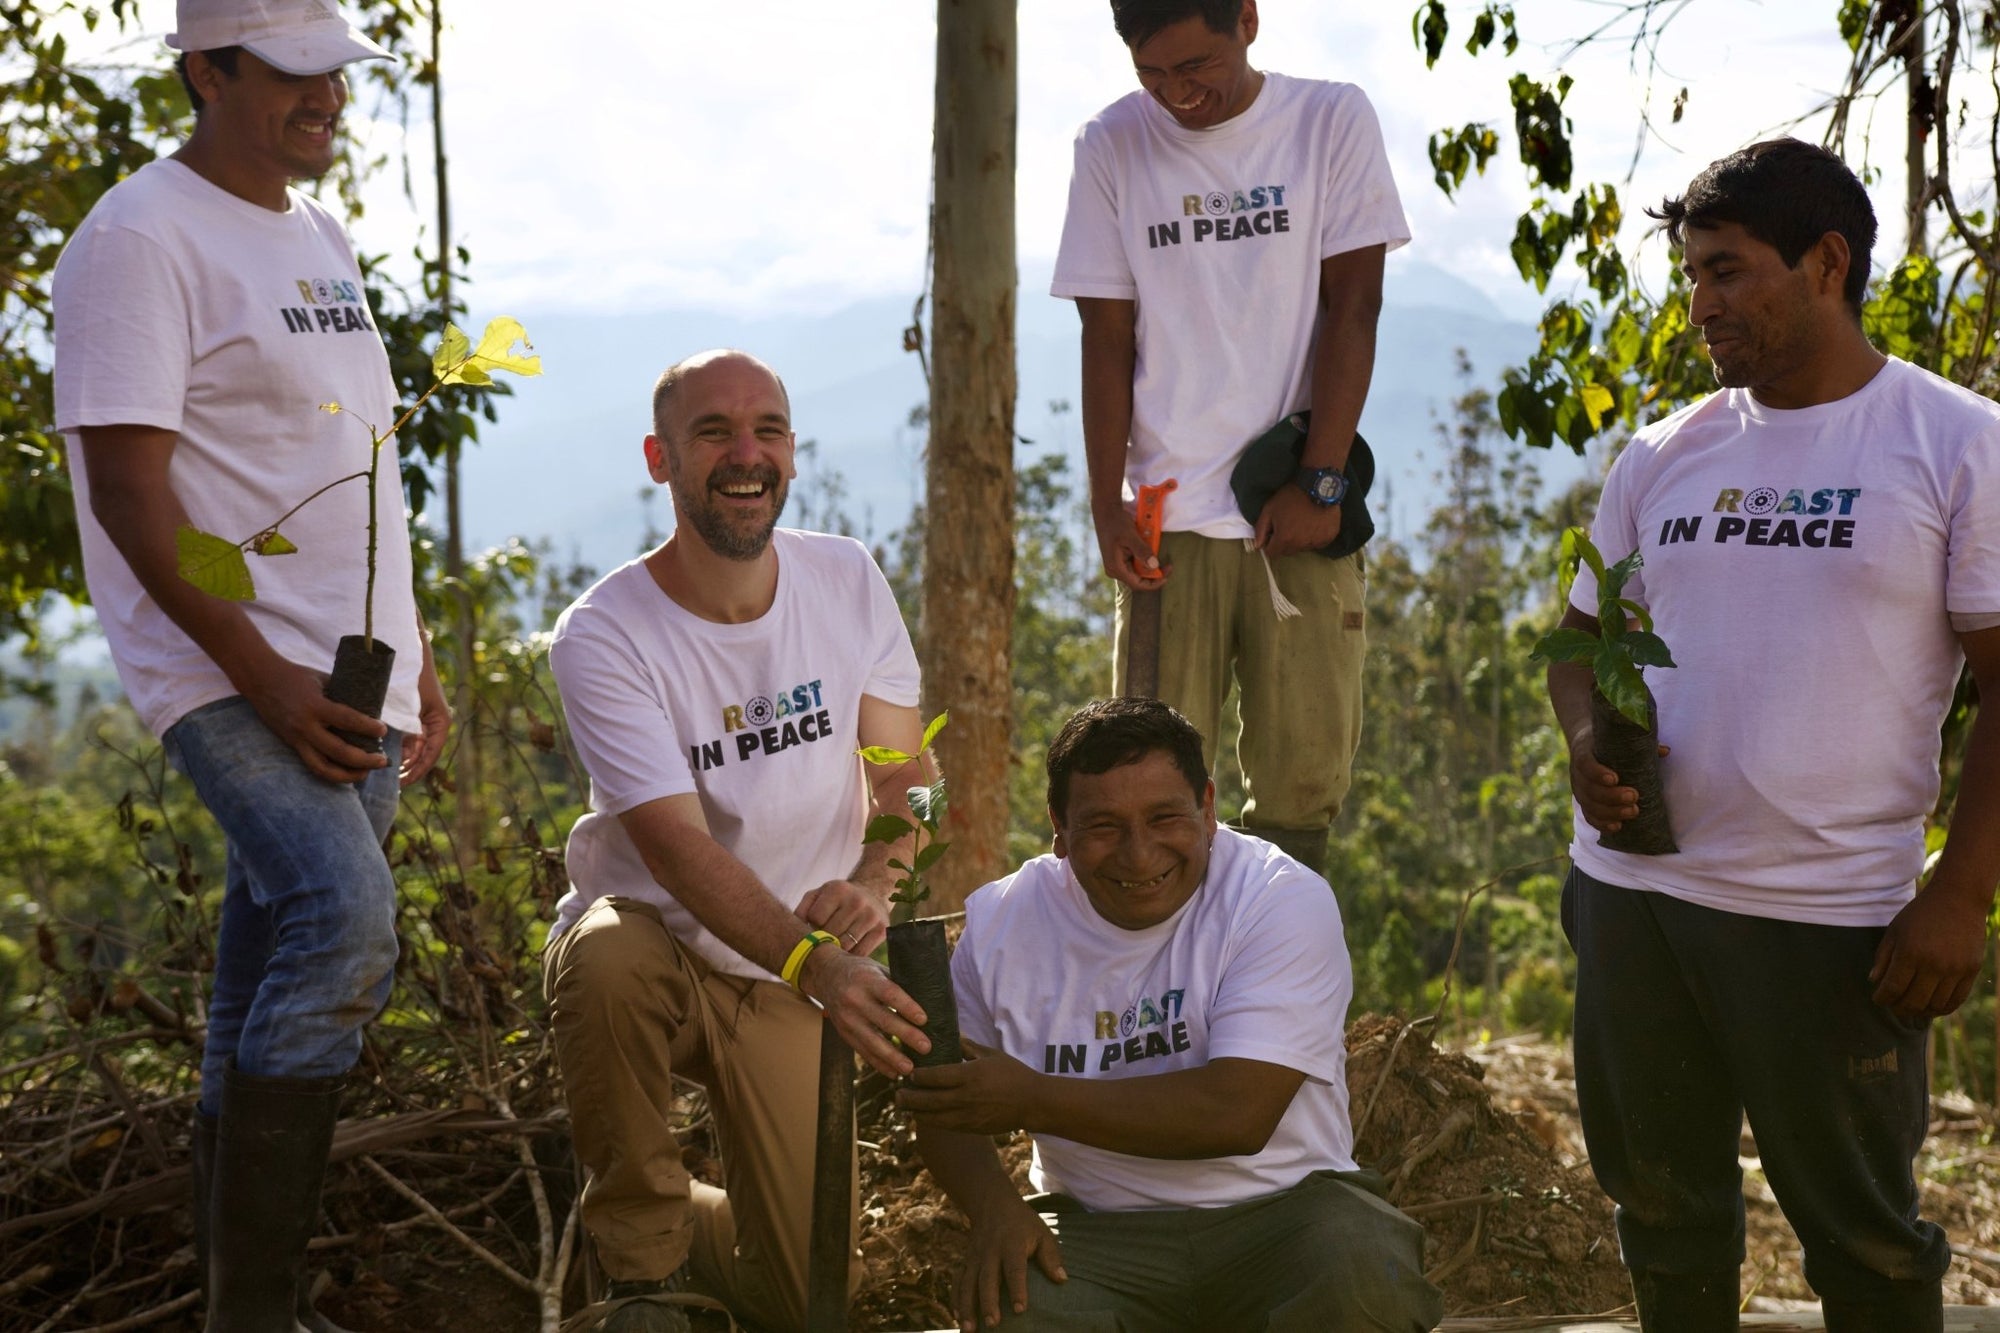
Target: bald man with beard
717, 689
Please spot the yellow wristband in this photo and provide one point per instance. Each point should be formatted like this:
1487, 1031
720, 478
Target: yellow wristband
793, 965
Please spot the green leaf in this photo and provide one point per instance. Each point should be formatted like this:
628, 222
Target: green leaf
272, 542
920, 805
884, 755
1619, 681
214, 564
1647, 648
938, 802
887, 828
1566, 645
452, 350
1597, 400
495, 352
930, 732
1616, 610
928, 857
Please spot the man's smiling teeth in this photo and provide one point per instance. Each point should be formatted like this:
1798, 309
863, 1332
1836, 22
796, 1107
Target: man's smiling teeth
1132, 885
747, 489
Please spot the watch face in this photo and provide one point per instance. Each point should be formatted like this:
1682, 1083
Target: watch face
1326, 487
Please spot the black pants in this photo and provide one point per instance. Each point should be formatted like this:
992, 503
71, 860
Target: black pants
1688, 1017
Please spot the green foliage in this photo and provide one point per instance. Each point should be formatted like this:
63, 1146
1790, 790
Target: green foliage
216, 565
1616, 653
927, 806
72, 129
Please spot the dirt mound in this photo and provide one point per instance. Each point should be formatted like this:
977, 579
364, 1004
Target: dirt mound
1511, 1227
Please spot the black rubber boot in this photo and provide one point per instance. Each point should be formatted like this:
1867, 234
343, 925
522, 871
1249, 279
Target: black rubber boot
1911, 1307
203, 1169
270, 1158
1687, 1302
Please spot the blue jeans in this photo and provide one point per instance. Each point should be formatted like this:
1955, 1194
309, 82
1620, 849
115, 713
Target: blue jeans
306, 948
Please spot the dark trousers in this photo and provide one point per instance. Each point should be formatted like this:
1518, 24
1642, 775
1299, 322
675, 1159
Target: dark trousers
1686, 1019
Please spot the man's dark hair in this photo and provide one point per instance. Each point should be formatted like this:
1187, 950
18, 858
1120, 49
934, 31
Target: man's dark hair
222, 57
1111, 733
1139, 21
1786, 193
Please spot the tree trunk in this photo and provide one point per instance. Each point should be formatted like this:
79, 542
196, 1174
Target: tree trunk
968, 607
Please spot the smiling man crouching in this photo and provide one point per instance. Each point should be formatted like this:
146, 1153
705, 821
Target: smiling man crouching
1160, 1002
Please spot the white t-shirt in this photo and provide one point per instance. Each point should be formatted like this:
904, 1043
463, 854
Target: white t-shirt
758, 719
1802, 567
1218, 235
182, 307
1252, 967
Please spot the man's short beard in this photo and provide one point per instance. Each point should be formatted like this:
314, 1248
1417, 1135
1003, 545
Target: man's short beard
732, 543
712, 523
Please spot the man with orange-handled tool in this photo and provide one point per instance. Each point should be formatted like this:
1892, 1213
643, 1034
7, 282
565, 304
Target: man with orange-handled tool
1224, 245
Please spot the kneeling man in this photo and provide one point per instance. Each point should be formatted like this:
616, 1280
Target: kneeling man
1161, 1004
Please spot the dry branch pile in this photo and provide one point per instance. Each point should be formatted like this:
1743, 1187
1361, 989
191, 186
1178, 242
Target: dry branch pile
429, 1177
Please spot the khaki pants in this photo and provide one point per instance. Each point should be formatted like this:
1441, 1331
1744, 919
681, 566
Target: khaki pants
1300, 679
630, 1007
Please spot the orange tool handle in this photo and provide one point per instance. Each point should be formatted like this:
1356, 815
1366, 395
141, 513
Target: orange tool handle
1152, 511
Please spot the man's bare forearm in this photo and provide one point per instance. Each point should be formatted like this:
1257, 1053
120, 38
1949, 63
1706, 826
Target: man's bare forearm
1110, 356
133, 502
966, 1167
1226, 1108
1344, 361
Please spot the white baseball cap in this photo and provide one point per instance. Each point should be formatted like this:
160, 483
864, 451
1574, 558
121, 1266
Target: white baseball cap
296, 36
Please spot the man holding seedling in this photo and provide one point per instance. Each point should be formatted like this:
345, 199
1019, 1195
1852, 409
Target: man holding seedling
1158, 1004
717, 690
204, 310
1224, 246
1821, 546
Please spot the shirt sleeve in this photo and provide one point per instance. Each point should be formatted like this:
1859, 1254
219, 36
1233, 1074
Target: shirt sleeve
123, 340
1614, 532
1972, 559
1362, 207
1284, 994
1090, 261
618, 720
894, 678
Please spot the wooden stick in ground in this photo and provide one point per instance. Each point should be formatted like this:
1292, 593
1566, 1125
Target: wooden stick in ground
1142, 645
833, 1172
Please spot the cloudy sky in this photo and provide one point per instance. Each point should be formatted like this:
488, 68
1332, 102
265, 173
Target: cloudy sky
770, 155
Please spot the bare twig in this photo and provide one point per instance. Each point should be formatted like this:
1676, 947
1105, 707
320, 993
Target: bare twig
153, 1316
450, 1228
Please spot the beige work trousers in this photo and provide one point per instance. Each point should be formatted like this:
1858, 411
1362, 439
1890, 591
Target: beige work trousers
1300, 679
630, 1007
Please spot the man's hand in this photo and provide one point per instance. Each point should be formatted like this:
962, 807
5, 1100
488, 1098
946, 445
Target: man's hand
991, 1093
1606, 805
1005, 1235
866, 1008
1291, 522
1928, 961
292, 702
853, 912
421, 751
1126, 556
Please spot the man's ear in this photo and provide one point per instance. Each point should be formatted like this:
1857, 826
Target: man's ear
656, 459
1246, 22
1830, 259
1059, 846
206, 76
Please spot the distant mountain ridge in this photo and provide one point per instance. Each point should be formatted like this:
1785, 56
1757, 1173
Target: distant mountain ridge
564, 462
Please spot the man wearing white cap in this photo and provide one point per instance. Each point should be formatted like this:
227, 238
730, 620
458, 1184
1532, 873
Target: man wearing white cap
204, 311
